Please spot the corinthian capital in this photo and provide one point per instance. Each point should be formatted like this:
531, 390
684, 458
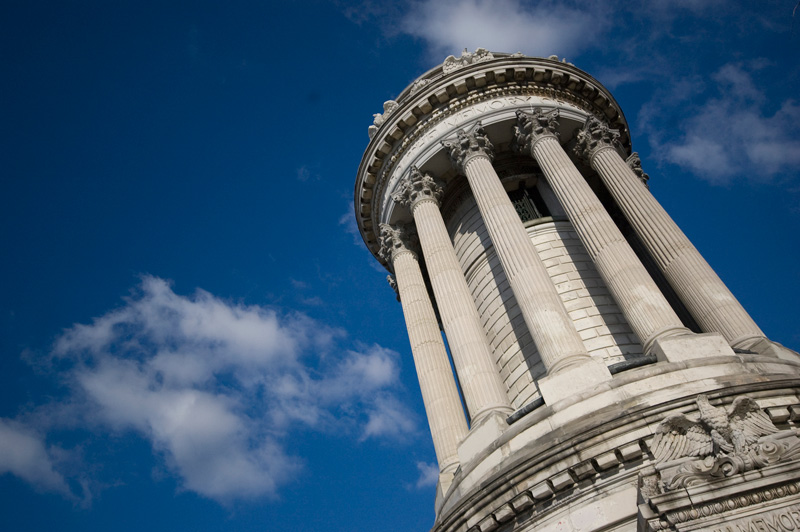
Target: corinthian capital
595, 135
393, 283
534, 126
396, 239
417, 187
635, 164
469, 145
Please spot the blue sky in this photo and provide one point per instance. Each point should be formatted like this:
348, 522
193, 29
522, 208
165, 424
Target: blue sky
192, 335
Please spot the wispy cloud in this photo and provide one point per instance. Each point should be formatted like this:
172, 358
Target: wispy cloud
428, 475
449, 26
214, 387
348, 222
731, 132
23, 453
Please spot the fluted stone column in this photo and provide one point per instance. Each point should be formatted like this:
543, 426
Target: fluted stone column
705, 295
647, 311
479, 377
558, 342
439, 392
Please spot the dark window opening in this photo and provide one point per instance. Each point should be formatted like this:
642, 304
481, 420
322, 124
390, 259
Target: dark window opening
528, 203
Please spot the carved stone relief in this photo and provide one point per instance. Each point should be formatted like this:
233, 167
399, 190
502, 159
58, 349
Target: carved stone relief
452, 63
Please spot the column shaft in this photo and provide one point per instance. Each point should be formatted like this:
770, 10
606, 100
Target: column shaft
701, 290
551, 328
472, 356
439, 393
647, 311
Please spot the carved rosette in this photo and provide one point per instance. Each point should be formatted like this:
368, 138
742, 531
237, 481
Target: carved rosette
635, 164
531, 127
396, 239
417, 187
469, 145
595, 136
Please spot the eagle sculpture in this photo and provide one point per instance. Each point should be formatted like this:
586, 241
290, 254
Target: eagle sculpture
717, 431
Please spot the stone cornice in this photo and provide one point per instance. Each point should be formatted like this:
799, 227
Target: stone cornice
436, 97
417, 187
466, 146
595, 136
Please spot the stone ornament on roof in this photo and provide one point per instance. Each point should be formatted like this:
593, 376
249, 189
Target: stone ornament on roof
533, 126
595, 135
468, 145
395, 239
378, 119
417, 187
418, 85
563, 60
452, 63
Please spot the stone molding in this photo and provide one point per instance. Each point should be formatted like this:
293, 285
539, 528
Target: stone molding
595, 136
397, 239
722, 500
417, 187
635, 164
467, 146
534, 126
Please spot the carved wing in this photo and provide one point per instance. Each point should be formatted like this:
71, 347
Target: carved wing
678, 436
747, 417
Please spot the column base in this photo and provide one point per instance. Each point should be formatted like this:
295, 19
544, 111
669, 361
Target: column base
573, 380
481, 435
690, 346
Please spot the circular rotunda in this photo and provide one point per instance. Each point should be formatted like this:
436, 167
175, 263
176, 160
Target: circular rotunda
597, 374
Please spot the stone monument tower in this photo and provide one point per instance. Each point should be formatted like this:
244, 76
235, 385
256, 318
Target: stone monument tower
598, 374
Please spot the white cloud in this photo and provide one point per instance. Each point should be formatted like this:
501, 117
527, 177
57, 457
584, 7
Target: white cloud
23, 453
428, 475
388, 417
731, 134
449, 26
348, 222
214, 387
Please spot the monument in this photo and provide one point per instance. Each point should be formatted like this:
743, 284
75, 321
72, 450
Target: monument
600, 375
